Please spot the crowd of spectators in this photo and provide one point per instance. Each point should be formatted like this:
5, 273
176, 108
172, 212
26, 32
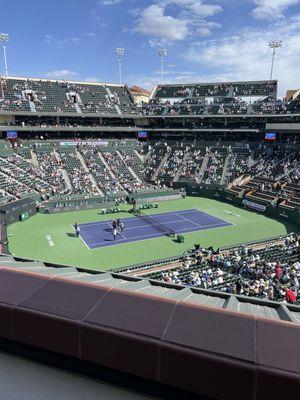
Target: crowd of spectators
63, 97
273, 178
271, 273
215, 167
191, 165
79, 178
270, 172
195, 162
219, 106
51, 171
251, 89
219, 98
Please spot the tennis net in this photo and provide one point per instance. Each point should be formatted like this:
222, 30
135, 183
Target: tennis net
156, 224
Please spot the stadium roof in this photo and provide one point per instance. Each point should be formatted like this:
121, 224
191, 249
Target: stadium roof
60, 80
139, 90
292, 94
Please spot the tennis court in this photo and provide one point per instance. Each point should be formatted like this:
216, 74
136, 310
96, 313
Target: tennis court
99, 234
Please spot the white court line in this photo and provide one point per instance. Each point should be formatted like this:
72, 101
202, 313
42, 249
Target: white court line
212, 215
203, 212
134, 237
221, 224
205, 227
84, 242
80, 237
189, 220
156, 237
158, 224
117, 230
50, 241
230, 213
151, 215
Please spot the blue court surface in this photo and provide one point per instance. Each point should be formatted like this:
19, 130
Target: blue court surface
99, 234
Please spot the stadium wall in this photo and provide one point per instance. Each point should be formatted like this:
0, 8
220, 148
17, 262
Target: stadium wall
60, 206
11, 212
221, 194
207, 351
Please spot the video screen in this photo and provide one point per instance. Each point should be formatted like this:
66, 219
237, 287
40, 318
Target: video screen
271, 136
143, 135
11, 134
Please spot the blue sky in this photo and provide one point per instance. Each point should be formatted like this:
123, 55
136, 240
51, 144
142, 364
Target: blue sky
207, 40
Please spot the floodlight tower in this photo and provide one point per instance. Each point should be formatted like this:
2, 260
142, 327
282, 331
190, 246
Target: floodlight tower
162, 53
274, 44
4, 39
120, 54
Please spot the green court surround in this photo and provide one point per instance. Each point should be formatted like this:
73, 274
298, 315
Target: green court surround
50, 238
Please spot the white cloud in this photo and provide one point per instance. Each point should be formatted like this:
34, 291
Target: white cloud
246, 56
204, 10
92, 79
174, 77
296, 19
154, 22
272, 9
204, 28
48, 39
109, 2
90, 35
189, 17
198, 7
61, 74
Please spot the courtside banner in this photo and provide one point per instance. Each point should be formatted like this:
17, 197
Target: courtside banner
254, 206
92, 144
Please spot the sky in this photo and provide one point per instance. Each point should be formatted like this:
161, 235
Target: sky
206, 40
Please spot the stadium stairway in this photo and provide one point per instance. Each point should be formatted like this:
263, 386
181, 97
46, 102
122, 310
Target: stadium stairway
34, 159
77, 108
178, 173
64, 172
139, 155
86, 169
32, 106
159, 168
128, 166
204, 164
106, 165
225, 170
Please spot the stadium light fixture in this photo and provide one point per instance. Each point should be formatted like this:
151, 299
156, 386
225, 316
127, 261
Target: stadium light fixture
120, 52
162, 53
4, 39
274, 44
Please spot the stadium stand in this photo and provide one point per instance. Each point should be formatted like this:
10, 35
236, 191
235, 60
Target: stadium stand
266, 270
41, 96
267, 172
226, 89
207, 311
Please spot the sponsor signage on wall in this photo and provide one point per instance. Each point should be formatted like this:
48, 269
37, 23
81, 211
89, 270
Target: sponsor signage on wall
92, 144
254, 206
